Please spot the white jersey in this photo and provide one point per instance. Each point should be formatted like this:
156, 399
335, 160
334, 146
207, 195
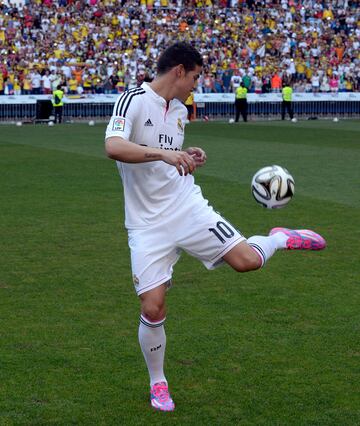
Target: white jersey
154, 188
235, 82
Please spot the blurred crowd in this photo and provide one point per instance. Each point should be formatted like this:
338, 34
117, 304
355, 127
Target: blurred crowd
109, 46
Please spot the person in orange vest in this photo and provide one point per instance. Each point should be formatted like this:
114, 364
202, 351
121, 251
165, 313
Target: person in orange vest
276, 83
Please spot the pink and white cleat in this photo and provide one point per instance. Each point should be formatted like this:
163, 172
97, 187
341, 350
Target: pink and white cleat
160, 397
301, 239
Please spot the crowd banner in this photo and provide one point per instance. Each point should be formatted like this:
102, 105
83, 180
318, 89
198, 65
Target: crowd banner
70, 99
276, 97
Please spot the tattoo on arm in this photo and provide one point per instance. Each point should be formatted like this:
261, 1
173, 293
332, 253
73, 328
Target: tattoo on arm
151, 155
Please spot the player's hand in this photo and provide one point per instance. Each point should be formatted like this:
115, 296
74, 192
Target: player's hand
198, 155
184, 162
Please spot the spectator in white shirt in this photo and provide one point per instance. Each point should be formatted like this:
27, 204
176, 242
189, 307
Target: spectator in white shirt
46, 83
35, 83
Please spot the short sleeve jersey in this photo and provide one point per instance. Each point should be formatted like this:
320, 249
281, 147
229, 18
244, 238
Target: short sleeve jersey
151, 189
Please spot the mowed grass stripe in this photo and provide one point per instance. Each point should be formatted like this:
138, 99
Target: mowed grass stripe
75, 138
320, 165
322, 133
320, 172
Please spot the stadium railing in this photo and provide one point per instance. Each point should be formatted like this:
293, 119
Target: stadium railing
212, 106
268, 106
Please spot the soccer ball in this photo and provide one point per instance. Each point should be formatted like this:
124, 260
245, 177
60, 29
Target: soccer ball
91, 123
19, 123
50, 123
273, 187
231, 121
335, 120
294, 120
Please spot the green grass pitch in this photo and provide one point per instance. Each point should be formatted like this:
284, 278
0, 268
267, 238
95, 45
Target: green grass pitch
280, 346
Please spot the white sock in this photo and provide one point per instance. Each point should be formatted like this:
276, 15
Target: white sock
152, 341
265, 247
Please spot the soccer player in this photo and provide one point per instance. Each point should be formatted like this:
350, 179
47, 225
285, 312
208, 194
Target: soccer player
165, 211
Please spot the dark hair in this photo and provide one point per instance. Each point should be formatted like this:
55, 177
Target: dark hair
179, 53
147, 78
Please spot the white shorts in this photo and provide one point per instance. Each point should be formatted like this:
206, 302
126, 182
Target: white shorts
196, 229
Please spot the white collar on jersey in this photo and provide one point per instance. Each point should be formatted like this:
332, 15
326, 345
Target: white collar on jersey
157, 97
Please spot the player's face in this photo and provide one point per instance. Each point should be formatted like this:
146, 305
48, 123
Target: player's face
188, 82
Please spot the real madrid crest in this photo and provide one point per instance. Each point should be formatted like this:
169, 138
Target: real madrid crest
180, 125
135, 280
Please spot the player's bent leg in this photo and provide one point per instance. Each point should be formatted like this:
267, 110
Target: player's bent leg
255, 252
243, 258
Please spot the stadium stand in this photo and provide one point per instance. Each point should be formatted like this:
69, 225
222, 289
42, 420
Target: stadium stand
109, 46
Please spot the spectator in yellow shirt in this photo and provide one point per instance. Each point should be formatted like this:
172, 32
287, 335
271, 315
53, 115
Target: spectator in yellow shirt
17, 86
73, 85
1, 84
26, 85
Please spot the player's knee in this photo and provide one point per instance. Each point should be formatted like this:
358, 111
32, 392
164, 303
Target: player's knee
153, 304
247, 262
243, 258
153, 311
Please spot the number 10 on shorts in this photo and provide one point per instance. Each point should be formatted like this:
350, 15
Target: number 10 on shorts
222, 231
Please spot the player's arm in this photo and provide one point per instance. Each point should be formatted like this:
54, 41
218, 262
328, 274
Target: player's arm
123, 150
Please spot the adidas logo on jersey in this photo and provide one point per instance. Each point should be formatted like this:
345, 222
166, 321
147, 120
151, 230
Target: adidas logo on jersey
148, 123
